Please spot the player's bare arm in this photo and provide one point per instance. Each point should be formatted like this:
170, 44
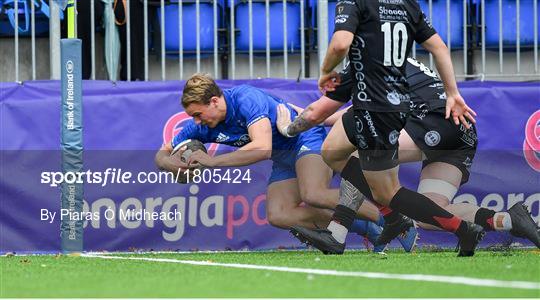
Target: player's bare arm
314, 114
455, 104
337, 50
260, 148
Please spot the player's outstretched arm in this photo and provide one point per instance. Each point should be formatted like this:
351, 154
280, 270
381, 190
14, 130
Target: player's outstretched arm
313, 115
260, 148
455, 104
330, 121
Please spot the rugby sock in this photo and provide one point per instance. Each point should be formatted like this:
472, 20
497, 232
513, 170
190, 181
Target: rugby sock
352, 172
484, 218
421, 208
381, 221
388, 215
342, 220
339, 232
502, 221
359, 227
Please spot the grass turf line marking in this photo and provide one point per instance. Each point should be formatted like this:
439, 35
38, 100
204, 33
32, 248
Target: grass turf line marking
411, 277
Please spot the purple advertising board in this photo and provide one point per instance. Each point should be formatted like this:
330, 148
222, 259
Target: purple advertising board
125, 123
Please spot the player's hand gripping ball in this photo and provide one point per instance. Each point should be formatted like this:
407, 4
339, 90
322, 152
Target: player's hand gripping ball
184, 150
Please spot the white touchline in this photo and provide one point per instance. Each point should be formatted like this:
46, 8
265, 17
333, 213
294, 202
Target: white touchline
412, 277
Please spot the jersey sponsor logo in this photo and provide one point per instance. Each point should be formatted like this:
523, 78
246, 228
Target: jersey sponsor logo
393, 137
386, 11
345, 2
386, 14
173, 126
356, 61
469, 136
531, 144
438, 85
370, 124
395, 98
394, 79
393, 2
432, 138
424, 69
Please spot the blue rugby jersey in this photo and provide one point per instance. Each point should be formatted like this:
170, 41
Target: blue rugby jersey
245, 106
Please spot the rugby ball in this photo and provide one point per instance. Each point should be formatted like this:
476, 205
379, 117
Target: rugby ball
191, 146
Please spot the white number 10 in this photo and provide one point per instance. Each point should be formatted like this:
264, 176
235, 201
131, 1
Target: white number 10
398, 54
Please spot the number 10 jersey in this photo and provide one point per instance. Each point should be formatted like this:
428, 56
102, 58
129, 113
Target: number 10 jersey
384, 31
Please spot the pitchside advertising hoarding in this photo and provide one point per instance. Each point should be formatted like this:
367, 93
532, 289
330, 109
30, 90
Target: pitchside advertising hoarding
125, 123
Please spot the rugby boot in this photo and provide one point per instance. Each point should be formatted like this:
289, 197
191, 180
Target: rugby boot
470, 239
523, 225
392, 230
321, 239
372, 234
368, 230
408, 239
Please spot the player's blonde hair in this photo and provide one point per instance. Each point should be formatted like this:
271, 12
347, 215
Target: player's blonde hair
200, 88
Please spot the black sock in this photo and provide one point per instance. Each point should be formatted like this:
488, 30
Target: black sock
484, 218
352, 172
344, 216
391, 218
421, 208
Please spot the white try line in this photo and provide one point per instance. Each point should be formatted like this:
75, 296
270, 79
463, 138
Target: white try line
411, 277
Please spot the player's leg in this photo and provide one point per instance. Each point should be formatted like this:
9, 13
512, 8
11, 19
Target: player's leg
284, 209
337, 147
444, 171
336, 150
378, 158
314, 180
440, 181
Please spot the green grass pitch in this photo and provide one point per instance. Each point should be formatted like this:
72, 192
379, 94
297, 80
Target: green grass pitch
68, 276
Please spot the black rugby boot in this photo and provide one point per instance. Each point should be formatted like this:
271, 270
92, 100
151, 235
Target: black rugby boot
469, 239
321, 239
523, 225
392, 230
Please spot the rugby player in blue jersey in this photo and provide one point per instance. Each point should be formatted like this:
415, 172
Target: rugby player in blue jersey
245, 117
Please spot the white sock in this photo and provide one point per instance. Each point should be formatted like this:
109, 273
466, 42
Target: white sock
339, 232
502, 221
